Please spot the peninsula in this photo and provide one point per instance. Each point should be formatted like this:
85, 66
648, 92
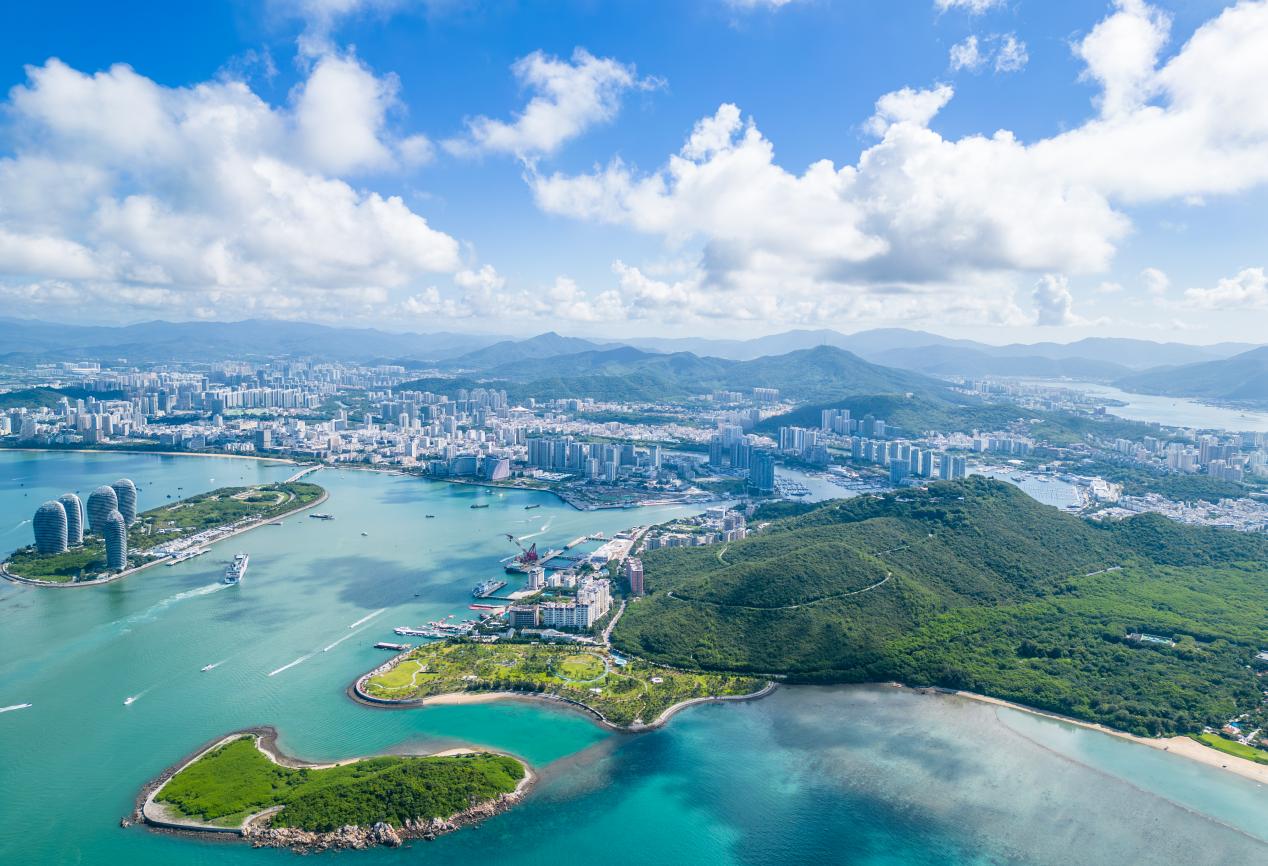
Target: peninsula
242, 785
171, 530
1143, 625
621, 693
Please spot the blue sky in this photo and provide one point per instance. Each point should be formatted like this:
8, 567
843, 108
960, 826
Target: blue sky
326, 160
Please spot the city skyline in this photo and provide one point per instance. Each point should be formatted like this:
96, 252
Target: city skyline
988, 169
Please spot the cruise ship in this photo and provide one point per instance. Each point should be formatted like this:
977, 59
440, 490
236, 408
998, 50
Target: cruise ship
487, 587
236, 570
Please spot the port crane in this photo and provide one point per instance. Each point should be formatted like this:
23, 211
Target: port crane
528, 555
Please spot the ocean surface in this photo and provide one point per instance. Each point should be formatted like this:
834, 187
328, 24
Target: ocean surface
860, 775
1172, 411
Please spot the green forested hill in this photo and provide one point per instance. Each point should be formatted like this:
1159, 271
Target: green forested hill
974, 585
626, 373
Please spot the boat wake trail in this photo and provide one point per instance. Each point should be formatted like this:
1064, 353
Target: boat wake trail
367, 617
545, 528
150, 612
21, 524
14, 707
329, 647
134, 698
214, 665
287, 667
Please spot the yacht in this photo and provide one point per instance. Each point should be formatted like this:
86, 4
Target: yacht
236, 570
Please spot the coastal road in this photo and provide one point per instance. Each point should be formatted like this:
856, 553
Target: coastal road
608, 631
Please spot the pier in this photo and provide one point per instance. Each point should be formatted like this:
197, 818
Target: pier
596, 536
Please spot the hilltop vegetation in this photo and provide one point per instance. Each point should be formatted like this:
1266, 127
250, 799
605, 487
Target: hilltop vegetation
973, 585
49, 398
630, 374
236, 780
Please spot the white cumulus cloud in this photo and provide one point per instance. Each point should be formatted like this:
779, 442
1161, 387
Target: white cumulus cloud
569, 97
1054, 305
1247, 290
973, 7
967, 54
1005, 52
129, 193
1156, 281
929, 223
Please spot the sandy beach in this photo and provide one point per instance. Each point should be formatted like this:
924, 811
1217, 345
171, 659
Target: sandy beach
1183, 746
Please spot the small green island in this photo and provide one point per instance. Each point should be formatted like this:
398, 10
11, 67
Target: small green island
189, 523
242, 785
628, 694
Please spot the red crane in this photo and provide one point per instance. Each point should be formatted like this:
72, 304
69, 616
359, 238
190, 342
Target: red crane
528, 556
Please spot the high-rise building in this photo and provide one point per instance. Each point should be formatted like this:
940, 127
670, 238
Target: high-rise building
115, 531
634, 573
536, 578
761, 472
715, 450
523, 616
125, 491
74, 518
101, 502
496, 468
49, 524
951, 467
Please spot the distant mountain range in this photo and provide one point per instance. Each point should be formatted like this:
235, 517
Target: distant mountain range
1241, 379
24, 341
546, 345
628, 373
915, 350
1231, 372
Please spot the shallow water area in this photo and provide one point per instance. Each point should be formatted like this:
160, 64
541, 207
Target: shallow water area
858, 775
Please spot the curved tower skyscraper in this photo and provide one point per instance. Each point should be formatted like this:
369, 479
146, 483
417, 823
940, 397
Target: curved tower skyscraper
101, 502
74, 518
116, 534
125, 491
50, 527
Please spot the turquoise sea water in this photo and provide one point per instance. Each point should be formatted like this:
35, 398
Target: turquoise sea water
839, 775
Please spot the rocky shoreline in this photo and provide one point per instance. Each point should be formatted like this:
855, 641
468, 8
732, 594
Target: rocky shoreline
381, 834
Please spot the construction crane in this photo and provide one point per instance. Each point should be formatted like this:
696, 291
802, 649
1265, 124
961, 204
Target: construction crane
528, 556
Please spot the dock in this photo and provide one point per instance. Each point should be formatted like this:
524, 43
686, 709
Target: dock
595, 536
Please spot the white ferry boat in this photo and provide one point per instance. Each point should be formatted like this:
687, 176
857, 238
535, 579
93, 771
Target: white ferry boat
236, 570
487, 587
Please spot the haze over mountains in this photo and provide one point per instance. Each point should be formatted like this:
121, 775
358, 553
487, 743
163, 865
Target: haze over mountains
1226, 372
